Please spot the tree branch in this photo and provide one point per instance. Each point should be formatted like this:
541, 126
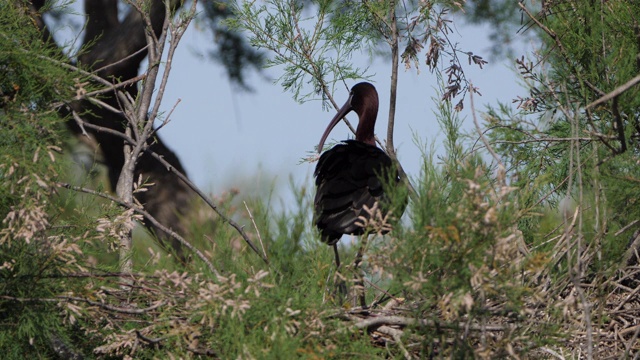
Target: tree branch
185, 180
206, 199
132, 311
374, 322
147, 216
615, 93
393, 94
394, 81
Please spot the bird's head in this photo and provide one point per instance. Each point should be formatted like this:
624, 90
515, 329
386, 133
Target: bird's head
363, 99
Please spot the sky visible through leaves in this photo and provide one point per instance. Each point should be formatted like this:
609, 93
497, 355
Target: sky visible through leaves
226, 137
251, 137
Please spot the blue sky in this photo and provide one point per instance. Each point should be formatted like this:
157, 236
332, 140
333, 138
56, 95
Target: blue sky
225, 137
228, 138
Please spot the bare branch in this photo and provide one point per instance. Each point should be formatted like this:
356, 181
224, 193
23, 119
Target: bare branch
123, 60
374, 322
480, 133
80, 122
147, 216
184, 179
542, 140
149, 340
102, 128
255, 227
615, 93
122, 310
211, 204
394, 81
626, 227
393, 94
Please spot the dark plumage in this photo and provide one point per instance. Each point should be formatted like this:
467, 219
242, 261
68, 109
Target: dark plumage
350, 175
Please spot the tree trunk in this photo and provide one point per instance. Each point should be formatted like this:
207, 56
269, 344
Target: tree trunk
116, 53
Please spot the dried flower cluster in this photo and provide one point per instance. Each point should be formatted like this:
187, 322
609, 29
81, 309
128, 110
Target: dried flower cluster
434, 28
181, 309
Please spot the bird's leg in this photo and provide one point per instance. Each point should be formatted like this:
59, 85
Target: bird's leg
341, 285
359, 294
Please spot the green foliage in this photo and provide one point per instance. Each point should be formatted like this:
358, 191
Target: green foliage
572, 148
461, 253
316, 52
553, 147
315, 49
36, 248
483, 265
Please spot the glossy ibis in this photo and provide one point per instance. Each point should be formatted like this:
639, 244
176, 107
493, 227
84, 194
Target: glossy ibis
352, 174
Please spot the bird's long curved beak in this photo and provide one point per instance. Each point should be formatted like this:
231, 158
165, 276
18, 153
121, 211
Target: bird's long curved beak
344, 110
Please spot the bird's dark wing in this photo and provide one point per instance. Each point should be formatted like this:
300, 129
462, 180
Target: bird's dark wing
348, 176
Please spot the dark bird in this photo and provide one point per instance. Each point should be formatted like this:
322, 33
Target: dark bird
352, 174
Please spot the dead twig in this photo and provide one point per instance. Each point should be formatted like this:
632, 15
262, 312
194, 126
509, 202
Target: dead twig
147, 216
152, 341
206, 199
98, 128
255, 226
184, 179
615, 93
626, 227
132, 311
375, 322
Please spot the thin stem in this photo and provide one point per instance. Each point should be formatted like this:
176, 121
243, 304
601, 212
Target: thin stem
147, 216
90, 302
616, 92
480, 132
394, 80
393, 99
264, 253
206, 199
190, 184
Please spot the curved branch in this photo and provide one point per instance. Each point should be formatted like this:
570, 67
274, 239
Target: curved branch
147, 216
133, 311
213, 206
616, 92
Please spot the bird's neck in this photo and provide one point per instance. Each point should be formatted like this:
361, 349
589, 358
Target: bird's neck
366, 127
